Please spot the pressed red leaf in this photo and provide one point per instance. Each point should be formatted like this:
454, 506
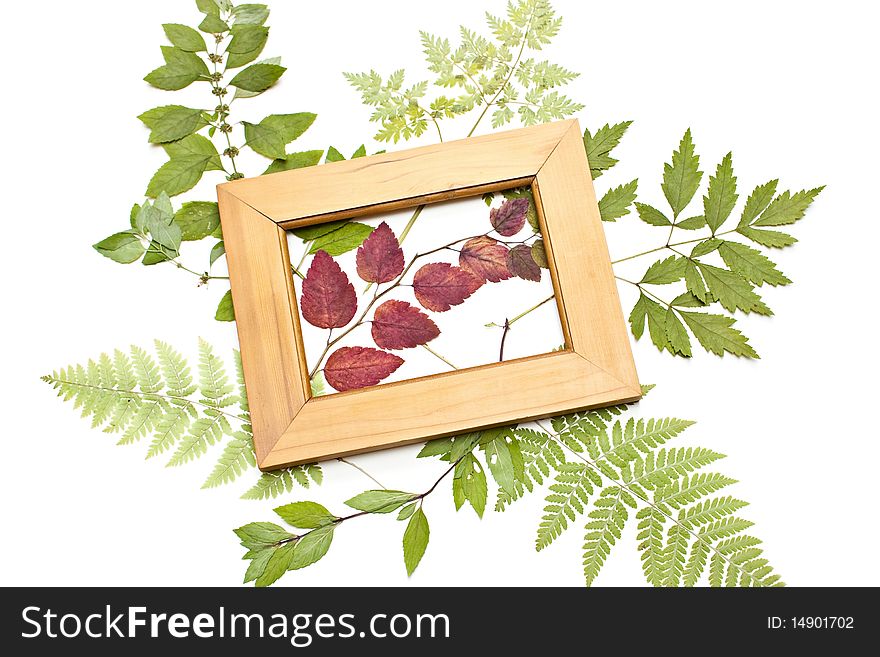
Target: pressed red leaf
380, 258
439, 286
520, 263
510, 217
349, 368
328, 298
485, 258
399, 325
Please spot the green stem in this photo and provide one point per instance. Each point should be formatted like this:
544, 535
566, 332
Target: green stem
434, 353
532, 309
363, 472
670, 245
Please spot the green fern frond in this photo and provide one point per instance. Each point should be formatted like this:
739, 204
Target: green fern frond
178, 378
568, 497
277, 483
237, 456
607, 521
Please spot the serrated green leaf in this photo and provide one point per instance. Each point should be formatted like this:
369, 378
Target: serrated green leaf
250, 14
180, 70
757, 202
270, 136
217, 251
184, 37
380, 501
719, 201
208, 7
172, 122
247, 38
716, 334
687, 300
469, 484
276, 565
751, 264
415, 540
258, 77
694, 282
305, 515
787, 208
213, 24
773, 239
294, 161
312, 547
663, 272
651, 215
617, 201
501, 462
407, 511
648, 310
190, 158
334, 155
692, 223
732, 290
345, 239
600, 145
125, 247
261, 534
679, 342
225, 310
309, 233
705, 247
682, 176
197, 220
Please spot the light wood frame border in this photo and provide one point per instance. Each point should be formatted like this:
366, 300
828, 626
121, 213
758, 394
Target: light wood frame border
596, 368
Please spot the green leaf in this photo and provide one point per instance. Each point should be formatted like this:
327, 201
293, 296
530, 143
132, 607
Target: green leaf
407, 511
216, 251
208, 7
197, 220
732, 290
156, 253
309, 233
617, 201
773, 239
682, 176
757, 202
190, 158
236, 60
312, 547
500, 461
719, 201
716, 334
334, 155
258, 564
172, 122
160, 224
651, 215
184, 37
694, 282
305, 515
276, 565
380, 501
261, 534
181, 69
125, 247
469, 483
663, 272
679, 342
360, 152
787, 208
250, 14
687, 300
348, 237
213, 24
649, 310
225, 311
705, 247
415, 540
258, 77
247, 38
692, 223
751, 264
270, 136
295, 161
600, 145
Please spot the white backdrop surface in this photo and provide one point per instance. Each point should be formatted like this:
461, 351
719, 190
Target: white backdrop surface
789, 86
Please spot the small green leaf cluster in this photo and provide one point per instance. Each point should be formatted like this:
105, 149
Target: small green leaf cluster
225, 44
137, 395
479, 73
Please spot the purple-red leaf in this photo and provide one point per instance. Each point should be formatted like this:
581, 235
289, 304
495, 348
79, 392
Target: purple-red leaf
398, 325
380, 258
509, 219
328, 298
349, 368
439, 286
485, 258
521, 263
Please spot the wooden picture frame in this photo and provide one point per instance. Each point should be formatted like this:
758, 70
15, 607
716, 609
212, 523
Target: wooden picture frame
595, 369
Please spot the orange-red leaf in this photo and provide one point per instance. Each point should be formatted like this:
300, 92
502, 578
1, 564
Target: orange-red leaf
349, 368
510, 218
439, 286
380, 258
485, 258
398, 325
328, 298
521, 263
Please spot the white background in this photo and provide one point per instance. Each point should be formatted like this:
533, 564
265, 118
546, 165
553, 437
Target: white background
789, 86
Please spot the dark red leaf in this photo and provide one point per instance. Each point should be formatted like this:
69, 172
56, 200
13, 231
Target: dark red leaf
349, 368
509, 219
485, 258
328, 298
521, 263
398, 325
439, 286
380, 258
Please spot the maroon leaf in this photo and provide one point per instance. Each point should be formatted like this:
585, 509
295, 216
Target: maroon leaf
328, 298
485, 258
510, 217
521, 263
439, 286
349, 368
380, 258
398, 325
